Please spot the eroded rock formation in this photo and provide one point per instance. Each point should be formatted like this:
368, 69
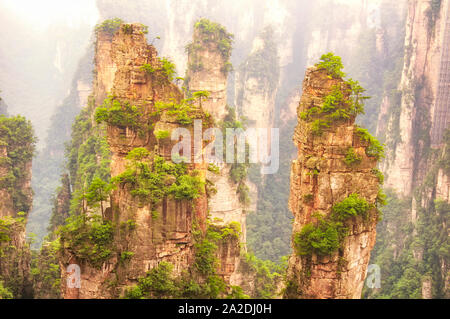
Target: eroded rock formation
320, 179
16, 152
208, 68
162, 232
424, 113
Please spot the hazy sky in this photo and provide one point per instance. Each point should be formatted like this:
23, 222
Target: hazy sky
42, 13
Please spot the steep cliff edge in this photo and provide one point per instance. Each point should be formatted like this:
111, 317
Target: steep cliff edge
423, 117
142, 227
208, 67
134, 212
334, 188
17, 144
412, 251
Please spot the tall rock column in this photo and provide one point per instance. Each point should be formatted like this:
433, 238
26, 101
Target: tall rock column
423, 115
145, 223
208, 67
17, 145
334, 190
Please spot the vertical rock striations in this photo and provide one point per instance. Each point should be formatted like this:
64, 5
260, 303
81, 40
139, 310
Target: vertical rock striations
141, 225
334, 190
423, 117
17, 145
208, 68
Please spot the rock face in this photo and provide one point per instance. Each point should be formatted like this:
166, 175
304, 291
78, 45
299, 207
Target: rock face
207, 71
169, 236
320, 179
16, 197
424, 108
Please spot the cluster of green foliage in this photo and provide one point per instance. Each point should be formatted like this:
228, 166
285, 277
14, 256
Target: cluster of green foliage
214, 32
88, 159
206, 261
374, 148
325, 236
162, 134
16, 134
210, 32
352, 206
11, 255
118, 114
147, 178
180, 110
88, 238
346, 100
379, 175
267, 275
5, 293
167, 69
332, 63
45, 270
160, 282
109, 26
322, 239
423, 242
213, 168
352, 158
8, 227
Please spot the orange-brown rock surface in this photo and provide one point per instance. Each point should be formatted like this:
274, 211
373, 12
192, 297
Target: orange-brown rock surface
168, 237
319, 179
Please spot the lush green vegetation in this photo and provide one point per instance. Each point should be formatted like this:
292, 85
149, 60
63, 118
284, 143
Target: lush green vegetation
352, 206
162, 134
17, 136
182, 111
12, 254
89, 238
379, 175
88, 157
210, 32
5, 293
109, 26
352, 158
45, 270
160, 281
333, 65
267, 275
148, 178
346, 100
374, 147
325, 236
421, 244
322, 239
444, 162
166, 68
115, 113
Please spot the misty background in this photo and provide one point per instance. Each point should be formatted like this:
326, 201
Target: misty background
46, 57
